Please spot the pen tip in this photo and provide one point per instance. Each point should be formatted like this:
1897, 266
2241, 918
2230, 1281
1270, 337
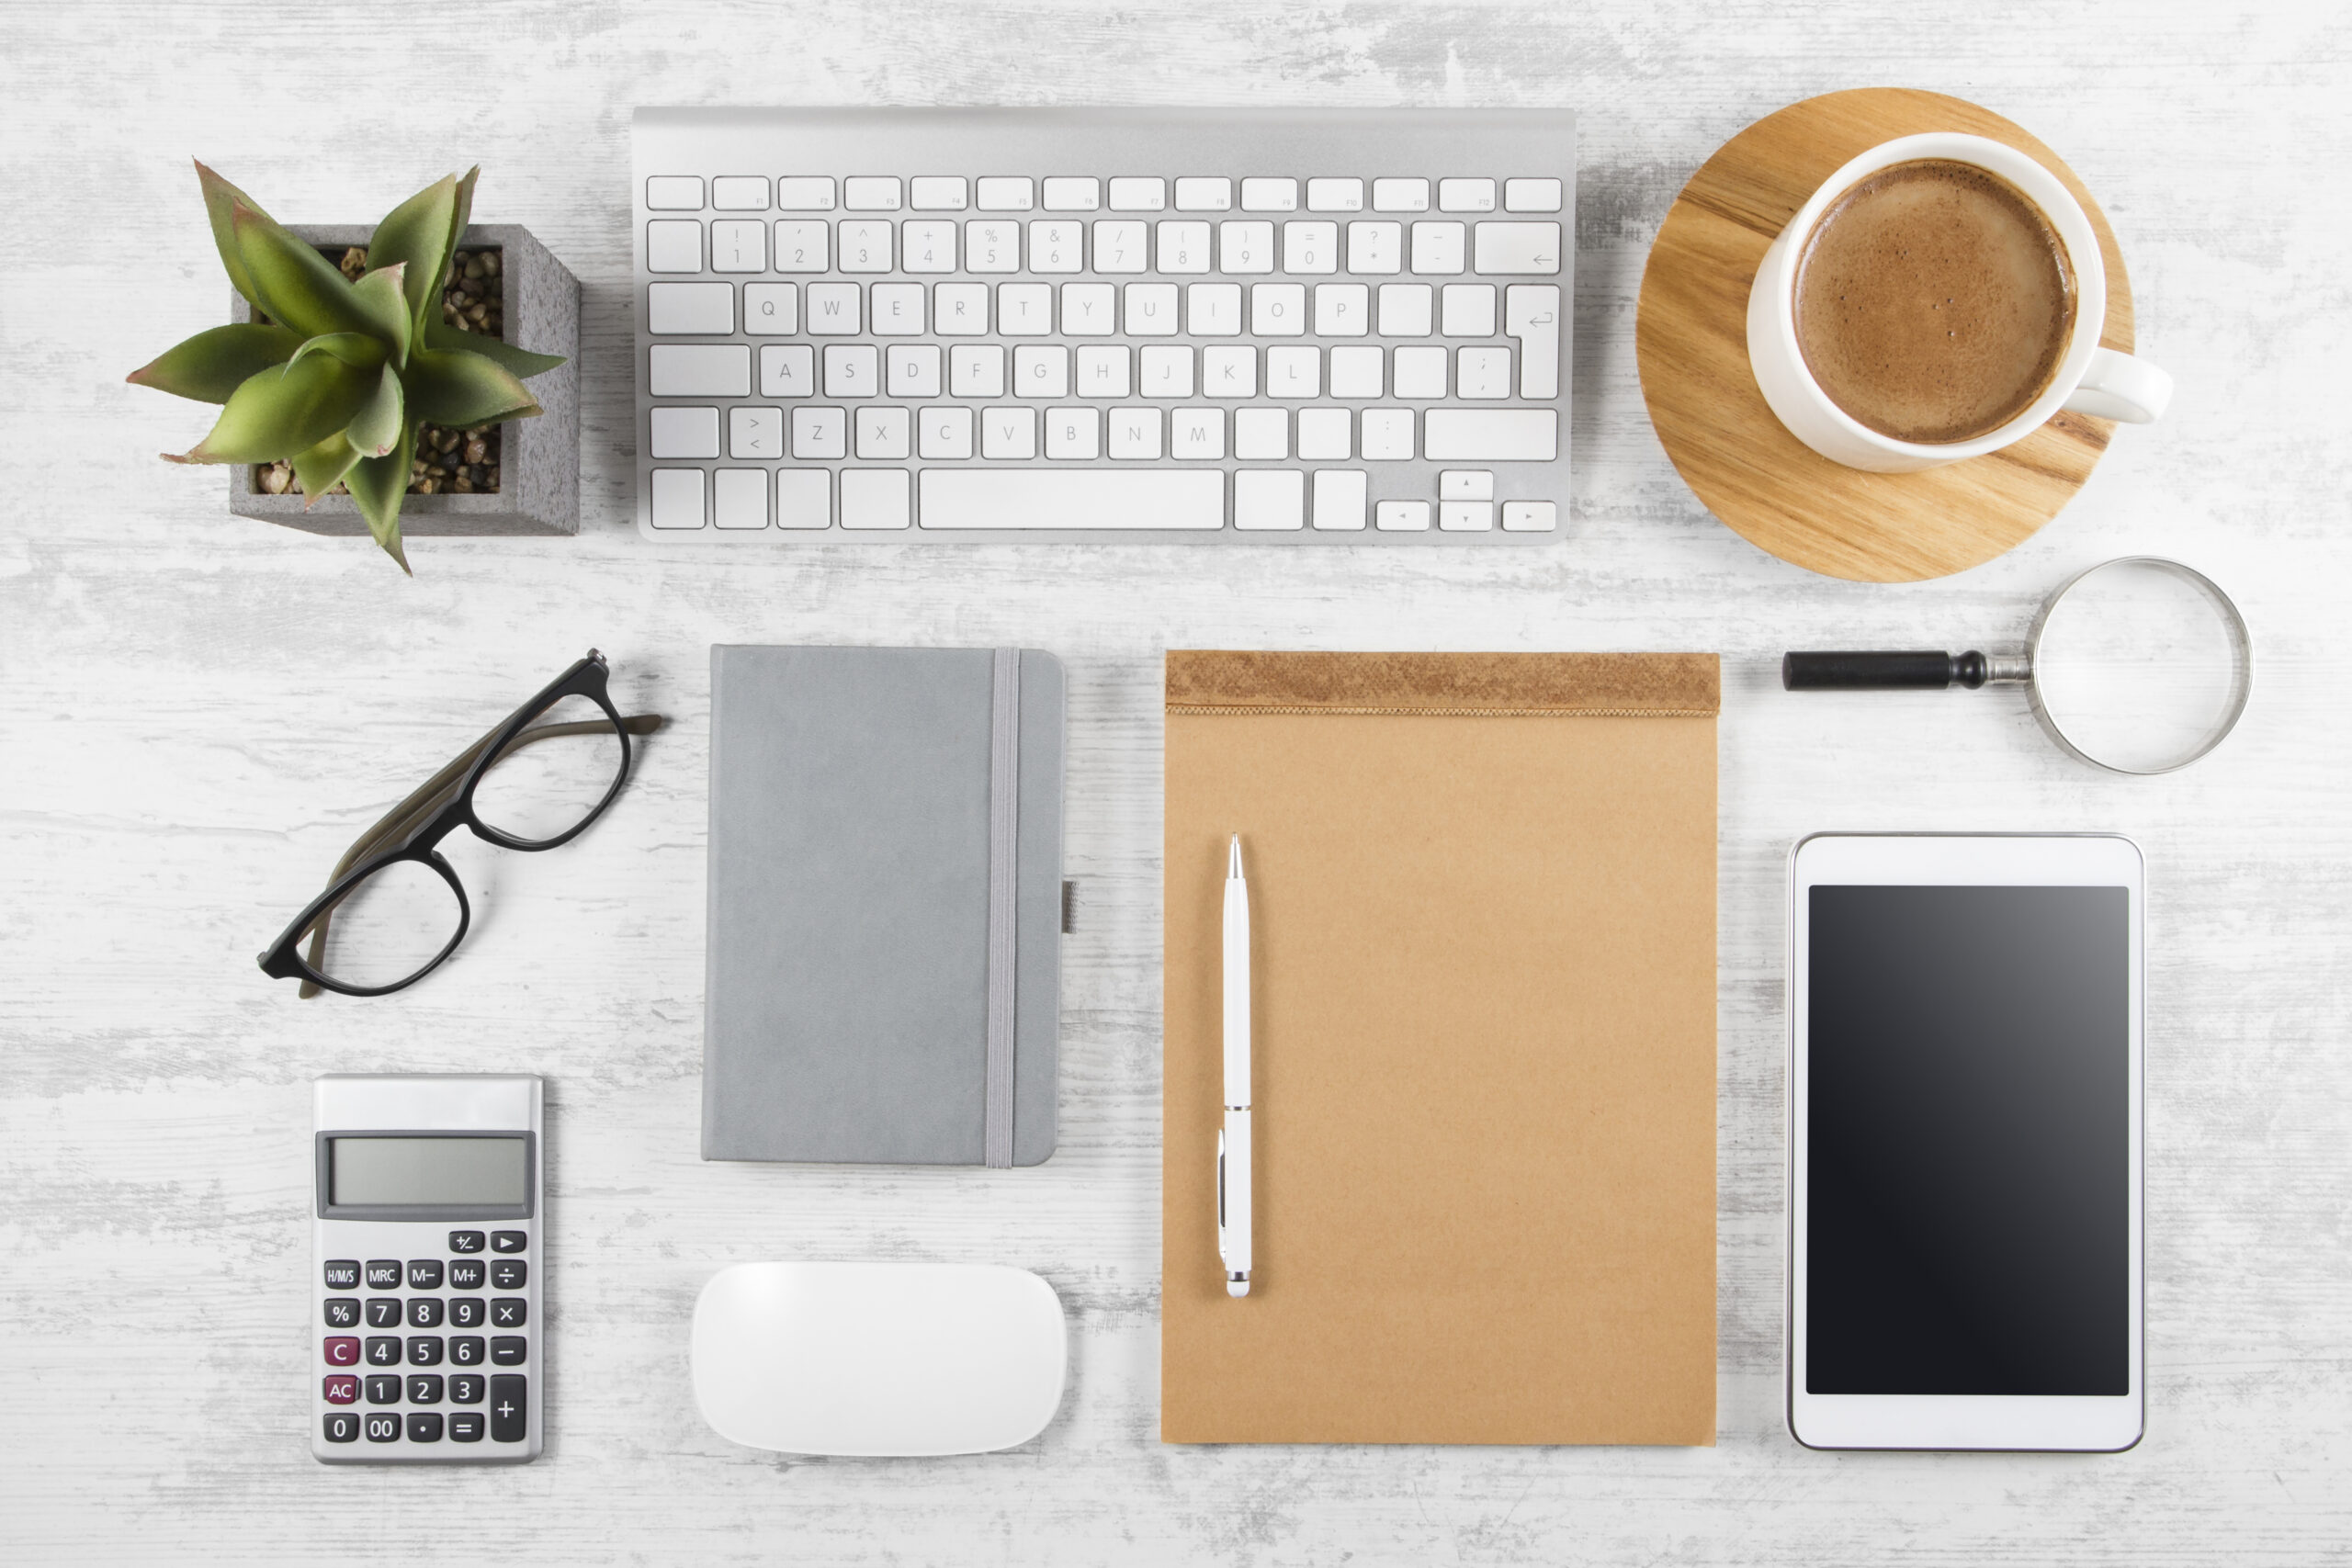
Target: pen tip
1233, 858
1237, 1287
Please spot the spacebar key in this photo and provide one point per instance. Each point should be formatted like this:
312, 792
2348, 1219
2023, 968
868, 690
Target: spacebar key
1073, 498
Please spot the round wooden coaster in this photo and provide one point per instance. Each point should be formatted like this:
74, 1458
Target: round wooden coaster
1771, 488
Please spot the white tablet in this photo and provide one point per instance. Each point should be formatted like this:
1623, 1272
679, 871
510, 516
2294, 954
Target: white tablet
1965, 1141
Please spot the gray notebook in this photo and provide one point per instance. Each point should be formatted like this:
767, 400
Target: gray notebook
885, 945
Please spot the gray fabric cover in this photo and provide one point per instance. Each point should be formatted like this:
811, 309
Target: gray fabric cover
845, 1017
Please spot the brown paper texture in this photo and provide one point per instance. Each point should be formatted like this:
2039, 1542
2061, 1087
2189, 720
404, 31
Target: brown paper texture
1483, 907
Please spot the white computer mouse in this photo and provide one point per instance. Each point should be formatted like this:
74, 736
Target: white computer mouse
875, 1358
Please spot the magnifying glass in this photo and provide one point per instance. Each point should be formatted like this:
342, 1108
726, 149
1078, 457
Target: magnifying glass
2141, 665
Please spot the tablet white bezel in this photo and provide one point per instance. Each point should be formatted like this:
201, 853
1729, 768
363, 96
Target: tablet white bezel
2105, 1423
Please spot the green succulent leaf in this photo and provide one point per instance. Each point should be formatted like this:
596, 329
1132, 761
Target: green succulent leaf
376, 428
279, 411
461, 391
377, 484
515, 361
322, 467
295, 284
417, 234
355, 349
220, 199
465, 213
378, 295
214, 364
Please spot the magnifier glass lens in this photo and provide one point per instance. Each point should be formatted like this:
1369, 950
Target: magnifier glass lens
2140, 667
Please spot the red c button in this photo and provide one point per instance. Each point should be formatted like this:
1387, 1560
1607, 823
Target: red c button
343, 1352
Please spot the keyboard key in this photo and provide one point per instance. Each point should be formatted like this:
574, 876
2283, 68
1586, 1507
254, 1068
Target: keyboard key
832, 310
928, 246
770, 309
1375, 247
1135, 435
1009, 435
1310, 245
1405, 310
1268, 194
787, 370
1342, 309
342, 1427
991, 244
1402, 516
1136, 193
340, 1388
1339, 499
1040, 371
817, 433
740, 193
1229, 371
1531, 195
466, 1351
938, 193
424, 1388
1466, 196
343, 1311
1203, 193
804, 499
865, 244
803, 246
467, 1312
341, 1351
1025, 309
1530, 516
383, 1312
384, 1273
805, 193
1089, 310
852, 370
1167, 372
944, 435
1466, 484
870, 193
677, 498
510, 1409
1261, 434
884, 436
1420, 373
1387, 435
1072, 193
1150, 308
1125, 498
1121, 244
1482, 373
508, 1312
382, 1427
1196, 434
1270, 499
512, 1349
467, 1388
1325, 436
674, 192
1007, 193
1437, 247
1213, 310
1469, 310
424, 1350
683, 432
1516, 247
425, 1311
897, 309
1492, 435
424, 1426
383, 1350
343, 1274
1335, 196
509, 1241
1294, 372
739, 245
1400, 196
909, 370
705, 308
738, 500
701, 369
1057, 244
1465, 517
1246, 246
673, 244
1356, 371
1183, 245
1532, 314
1278, 309
959, 310
976, 371
1073, 434
465, 1426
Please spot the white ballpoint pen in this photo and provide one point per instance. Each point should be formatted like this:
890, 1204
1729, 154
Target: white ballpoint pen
1233, 1142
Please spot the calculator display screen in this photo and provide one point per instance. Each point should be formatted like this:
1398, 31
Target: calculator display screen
427, 1172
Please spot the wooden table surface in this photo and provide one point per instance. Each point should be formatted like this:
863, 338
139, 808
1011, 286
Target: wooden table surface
197, 713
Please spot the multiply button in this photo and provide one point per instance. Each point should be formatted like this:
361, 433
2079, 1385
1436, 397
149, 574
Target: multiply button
508, 1273
341, 1313
341, 1389
466, 1273
343, 1273
509, 1349
342, 1351
506, 1313
510, 1409
425, 1274
465, 1241
509, 1241
383, 1273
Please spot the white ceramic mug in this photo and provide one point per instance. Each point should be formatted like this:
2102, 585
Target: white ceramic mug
2090, 379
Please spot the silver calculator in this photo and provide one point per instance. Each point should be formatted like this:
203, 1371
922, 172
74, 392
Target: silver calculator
427, 1267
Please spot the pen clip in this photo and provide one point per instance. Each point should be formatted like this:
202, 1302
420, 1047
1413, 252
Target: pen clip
1220, 1183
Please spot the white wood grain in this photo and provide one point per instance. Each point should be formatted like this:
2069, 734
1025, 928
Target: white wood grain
197, 713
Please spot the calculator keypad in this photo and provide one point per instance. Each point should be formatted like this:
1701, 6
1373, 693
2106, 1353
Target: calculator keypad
417, 1407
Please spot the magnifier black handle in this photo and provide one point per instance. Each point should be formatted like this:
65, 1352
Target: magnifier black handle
1881, 672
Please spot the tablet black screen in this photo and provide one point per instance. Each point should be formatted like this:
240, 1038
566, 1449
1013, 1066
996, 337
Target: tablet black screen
1968, 1154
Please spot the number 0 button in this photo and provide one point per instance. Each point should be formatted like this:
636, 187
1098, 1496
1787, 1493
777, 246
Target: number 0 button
342, 1427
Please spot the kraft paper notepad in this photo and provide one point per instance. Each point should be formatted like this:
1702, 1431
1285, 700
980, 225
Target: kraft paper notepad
1483, 905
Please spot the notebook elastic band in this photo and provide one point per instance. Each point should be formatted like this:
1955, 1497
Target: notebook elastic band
1004, 885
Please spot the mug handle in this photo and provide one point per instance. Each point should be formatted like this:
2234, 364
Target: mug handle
2118, 386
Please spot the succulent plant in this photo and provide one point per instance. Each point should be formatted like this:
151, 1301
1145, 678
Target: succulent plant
336, 375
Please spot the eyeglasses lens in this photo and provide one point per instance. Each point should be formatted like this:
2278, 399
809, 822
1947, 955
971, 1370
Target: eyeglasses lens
389, 927
553, 775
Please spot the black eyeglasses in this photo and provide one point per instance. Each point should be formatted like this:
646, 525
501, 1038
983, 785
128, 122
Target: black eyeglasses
393, 908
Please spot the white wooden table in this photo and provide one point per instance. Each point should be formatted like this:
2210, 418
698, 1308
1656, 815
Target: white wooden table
197, 713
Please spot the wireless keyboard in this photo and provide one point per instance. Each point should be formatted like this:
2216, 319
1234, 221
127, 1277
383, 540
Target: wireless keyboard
1096, 325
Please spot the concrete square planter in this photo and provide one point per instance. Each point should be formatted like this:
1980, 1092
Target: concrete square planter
539, 458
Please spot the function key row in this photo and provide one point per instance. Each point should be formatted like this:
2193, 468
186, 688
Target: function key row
427, 1273
1020, 193
426, 1351
509, 1420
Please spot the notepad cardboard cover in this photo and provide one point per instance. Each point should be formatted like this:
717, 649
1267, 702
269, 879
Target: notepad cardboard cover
1483, 905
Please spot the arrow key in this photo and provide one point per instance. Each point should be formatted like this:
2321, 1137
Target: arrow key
1516, 248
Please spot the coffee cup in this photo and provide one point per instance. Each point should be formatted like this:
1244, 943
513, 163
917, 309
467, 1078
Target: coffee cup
1937, 298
